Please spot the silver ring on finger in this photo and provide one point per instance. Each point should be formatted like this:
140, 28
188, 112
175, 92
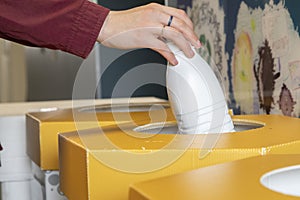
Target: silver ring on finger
162, 33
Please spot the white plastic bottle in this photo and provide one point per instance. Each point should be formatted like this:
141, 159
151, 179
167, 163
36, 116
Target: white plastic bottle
196, 96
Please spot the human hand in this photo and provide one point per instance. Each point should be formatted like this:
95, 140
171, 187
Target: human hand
146, 26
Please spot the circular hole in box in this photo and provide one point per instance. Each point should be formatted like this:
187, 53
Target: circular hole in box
124, 108
171, 127
284, 180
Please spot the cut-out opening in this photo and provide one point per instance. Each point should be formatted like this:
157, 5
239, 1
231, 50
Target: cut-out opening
284, 180
171, 127
124, 108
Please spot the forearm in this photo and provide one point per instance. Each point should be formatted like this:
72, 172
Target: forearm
69, 25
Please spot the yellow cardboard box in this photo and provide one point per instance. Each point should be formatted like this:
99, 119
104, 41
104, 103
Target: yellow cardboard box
15, 164
233, 180
43, 127
102, 164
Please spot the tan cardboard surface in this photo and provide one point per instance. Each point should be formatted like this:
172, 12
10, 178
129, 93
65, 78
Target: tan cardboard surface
21, 108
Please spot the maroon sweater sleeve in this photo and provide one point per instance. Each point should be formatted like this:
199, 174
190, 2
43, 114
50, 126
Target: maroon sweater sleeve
69, 25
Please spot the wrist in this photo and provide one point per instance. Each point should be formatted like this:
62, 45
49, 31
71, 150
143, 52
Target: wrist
104, 31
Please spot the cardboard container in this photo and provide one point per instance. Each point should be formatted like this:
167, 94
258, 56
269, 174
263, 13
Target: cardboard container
233, 180
102, 165
15, 172
43, 127
15, 163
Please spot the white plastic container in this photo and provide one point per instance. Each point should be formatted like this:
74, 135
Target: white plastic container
15, 164
15, 170
47, 184
196, 96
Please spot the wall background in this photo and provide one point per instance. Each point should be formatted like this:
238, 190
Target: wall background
255, 45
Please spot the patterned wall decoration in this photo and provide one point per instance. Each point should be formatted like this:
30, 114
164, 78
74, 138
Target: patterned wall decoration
208, 14
247, 36
255, 46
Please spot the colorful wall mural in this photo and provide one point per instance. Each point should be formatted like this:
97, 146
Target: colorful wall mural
255, 46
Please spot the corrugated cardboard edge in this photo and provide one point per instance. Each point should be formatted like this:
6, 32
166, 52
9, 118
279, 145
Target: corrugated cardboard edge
77, 175
33, 139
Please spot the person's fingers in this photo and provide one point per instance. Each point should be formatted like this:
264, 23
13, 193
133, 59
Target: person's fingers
142, 26
178, 13
179, 40
168, 55
181, 26
189, 34
163, 49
